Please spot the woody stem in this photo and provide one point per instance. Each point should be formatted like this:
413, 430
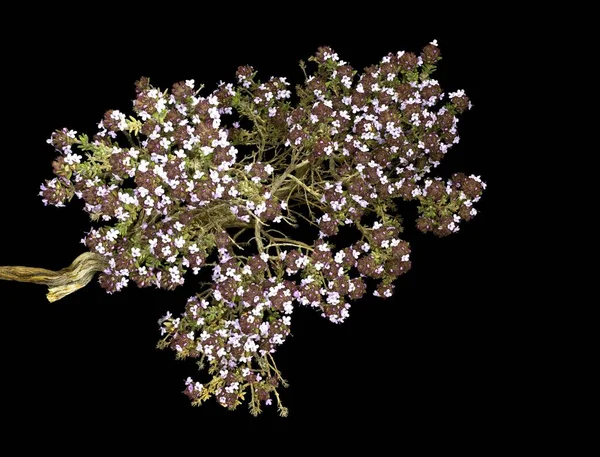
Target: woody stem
62, 282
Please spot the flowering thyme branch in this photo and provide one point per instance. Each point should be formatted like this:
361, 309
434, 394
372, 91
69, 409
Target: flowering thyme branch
222, 181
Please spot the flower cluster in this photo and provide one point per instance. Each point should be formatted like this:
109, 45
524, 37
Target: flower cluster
223, 181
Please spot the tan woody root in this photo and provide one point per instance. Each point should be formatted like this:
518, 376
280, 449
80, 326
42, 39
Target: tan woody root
62, 282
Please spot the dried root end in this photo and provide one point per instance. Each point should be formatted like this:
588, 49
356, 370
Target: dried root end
60, 283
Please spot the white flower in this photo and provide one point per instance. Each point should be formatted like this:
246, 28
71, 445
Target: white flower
112, 234
433, 43
168, 127
250, 346
143, 166
206, 150
136, 252
161, 104
121, 214
165, 143
148, 201
260, 208
277, 338
175, 276
189, 83
72, 158
309, 279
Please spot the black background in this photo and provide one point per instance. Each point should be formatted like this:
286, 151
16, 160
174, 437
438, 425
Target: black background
438, 356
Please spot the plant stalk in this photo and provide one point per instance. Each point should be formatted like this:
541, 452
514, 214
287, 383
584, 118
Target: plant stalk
62, 282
